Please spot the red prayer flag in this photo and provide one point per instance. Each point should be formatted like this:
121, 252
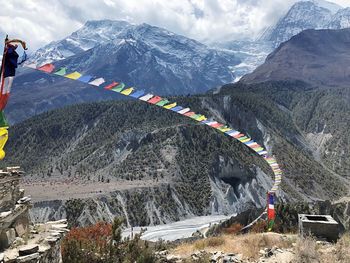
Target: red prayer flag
189, 114
112, 85
48, 68
155, 100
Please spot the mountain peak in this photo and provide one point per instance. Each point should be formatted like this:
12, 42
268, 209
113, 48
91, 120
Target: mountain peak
341, 19
105, 22
327, 5
310, 14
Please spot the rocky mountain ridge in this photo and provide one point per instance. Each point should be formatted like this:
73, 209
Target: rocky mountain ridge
143, 56
305, 15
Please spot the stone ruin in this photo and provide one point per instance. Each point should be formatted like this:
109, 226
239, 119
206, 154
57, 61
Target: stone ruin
19, 240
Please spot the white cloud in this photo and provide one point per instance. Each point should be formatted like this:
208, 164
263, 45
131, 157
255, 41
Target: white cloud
344, 3
42, 21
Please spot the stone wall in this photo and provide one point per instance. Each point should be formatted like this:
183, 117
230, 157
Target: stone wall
14, 217
9, 190
19, 240
43, 245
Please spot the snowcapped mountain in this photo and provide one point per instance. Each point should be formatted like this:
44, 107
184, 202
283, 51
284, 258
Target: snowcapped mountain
306, 14
301, 16
143, 56
91, 34
157, 60
333, 7
340, 20
309, 14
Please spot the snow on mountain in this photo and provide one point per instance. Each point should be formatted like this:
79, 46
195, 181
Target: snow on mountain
302, 15
155, 59
305, 14
171, 50
91, 34
308, 14
143, 56
333, 7
251, 53
340, 20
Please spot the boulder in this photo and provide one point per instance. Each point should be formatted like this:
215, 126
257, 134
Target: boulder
28, 249
28, 258
59, 226
162, 253
22, 225
216, 257
172, 258
7, 237
19, 241
10, 255
231, 258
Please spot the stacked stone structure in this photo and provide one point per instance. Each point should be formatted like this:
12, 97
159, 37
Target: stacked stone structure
19, 240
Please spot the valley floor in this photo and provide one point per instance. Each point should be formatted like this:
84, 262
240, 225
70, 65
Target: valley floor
178, 230
69, 189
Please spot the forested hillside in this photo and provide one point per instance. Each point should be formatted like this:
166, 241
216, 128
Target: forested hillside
115, 141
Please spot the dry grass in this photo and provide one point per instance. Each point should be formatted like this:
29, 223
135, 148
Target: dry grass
210, 242
343, 248
340, 252
259, 227
306, 251
248, 245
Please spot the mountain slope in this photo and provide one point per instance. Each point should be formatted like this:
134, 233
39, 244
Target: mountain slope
143, 56
320, 57
92, 34
156, 60
321, 118
115, 152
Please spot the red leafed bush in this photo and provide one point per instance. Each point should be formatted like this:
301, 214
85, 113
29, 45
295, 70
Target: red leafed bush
92, 242
103, 243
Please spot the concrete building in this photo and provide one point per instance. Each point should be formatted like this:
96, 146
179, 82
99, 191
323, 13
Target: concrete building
319, 226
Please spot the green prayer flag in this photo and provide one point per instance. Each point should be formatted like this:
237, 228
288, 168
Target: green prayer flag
61, 72
162, 102
3, 121
119, 88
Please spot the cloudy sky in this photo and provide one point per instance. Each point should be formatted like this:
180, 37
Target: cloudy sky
42, 21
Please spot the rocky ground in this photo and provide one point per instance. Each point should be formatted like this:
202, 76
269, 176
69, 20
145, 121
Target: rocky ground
259, 248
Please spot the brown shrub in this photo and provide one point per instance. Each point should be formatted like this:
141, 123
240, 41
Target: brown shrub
259, 227
209, 243
234, 229
215, 241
